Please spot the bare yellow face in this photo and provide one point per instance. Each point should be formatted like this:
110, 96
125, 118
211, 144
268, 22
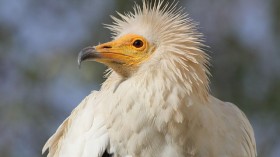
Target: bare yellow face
128, 50
124, 54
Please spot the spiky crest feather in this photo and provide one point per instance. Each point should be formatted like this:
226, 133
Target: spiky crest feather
179, 47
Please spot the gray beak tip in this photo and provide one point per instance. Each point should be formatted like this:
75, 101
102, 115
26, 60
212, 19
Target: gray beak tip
79, 60
85, 54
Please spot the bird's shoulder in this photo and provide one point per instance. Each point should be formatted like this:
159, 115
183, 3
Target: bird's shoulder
238, 126
248, 140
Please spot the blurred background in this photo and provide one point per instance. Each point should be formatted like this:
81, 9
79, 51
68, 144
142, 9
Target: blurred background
40, 82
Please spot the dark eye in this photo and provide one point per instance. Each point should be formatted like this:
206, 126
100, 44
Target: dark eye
138, 43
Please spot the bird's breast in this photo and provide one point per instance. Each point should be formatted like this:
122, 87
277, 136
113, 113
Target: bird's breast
141, 123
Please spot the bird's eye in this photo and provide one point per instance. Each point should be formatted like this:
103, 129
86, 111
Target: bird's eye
138, 43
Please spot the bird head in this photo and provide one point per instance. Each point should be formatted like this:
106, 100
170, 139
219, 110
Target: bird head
156, 38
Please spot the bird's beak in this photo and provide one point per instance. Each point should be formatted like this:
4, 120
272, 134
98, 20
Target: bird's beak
106, 53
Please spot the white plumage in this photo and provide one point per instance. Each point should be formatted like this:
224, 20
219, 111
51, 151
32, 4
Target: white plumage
155, 101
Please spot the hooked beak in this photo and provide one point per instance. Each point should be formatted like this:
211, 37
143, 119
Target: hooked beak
107, 53
88, 53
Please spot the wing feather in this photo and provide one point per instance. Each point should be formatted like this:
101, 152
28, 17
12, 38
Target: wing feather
82, 134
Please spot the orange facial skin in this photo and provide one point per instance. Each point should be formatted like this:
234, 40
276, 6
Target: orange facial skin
124, 54
129, 50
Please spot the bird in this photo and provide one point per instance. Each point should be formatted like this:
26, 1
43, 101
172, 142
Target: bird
155, 101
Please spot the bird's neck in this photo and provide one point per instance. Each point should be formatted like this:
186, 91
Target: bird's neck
161, 84
154, 95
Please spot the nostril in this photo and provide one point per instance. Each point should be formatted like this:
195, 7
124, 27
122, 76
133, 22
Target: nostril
106, 46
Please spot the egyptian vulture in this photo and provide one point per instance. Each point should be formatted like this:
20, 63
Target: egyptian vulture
155, 101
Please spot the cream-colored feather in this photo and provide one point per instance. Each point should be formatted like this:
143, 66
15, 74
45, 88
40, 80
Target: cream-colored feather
164, 109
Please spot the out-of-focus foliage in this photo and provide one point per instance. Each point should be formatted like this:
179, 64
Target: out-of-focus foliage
40, 82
